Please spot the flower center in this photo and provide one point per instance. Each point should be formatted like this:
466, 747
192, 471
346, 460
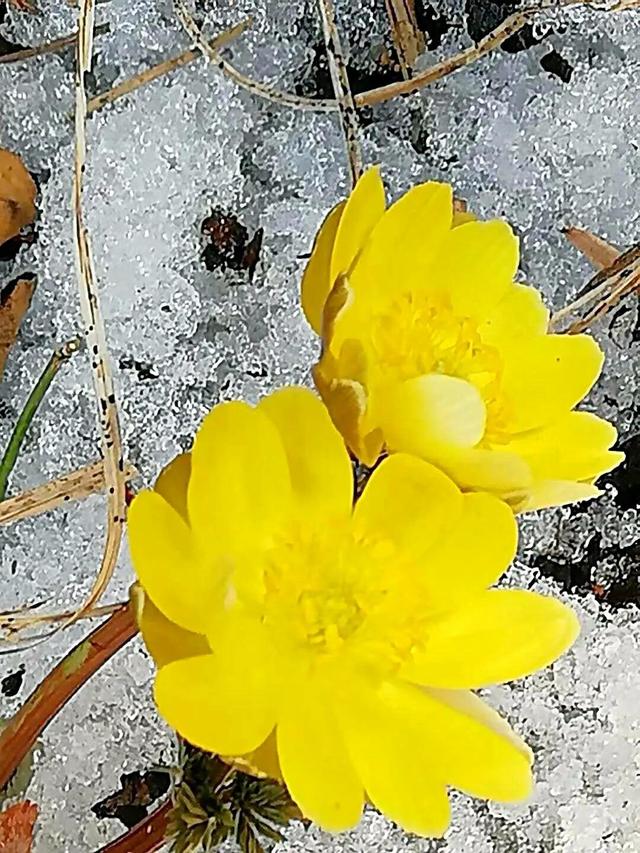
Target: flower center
327, 593
419, 334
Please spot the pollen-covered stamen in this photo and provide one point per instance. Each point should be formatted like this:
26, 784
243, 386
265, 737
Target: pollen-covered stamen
418, 334
328, 592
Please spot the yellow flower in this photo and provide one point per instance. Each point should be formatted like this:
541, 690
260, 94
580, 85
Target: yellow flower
429, 347
332, 645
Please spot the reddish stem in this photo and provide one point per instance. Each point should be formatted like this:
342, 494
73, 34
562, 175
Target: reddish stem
22, 731
146, 836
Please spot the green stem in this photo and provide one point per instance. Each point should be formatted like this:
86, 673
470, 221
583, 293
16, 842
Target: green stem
58, 357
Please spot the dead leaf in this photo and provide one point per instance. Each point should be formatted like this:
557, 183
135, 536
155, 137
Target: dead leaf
137, 791
15, 298
17, 195
24, 6
16, 827
597, 251
228, 244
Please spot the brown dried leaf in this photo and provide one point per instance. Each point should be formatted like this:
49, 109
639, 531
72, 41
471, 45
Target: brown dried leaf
596, 250
137, 791
17, 195
16, 827
14, 301
24, 6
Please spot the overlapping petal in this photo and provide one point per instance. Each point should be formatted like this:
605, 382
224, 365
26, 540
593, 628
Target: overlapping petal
240, 486
363, 210
409, 503
173, 484
315, 764
520, 314
319, 465
475, 556
393, 759
165, 640
226, 701
585, 440
477, 265
494, 637
163, 550
547, 376
403, 246
429, 413
426, 739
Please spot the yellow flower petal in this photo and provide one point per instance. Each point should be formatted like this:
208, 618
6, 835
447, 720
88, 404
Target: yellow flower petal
224, 702
497, 636
179, 581
486, 470
476, 750
547, 377
476, 266
404, 244
453, 736
319, 465
362, 210
408, 502
314, 761
520, 314
165, 641
240, 488
316, 281
422, 415
394, 762
459, 566
547, 493
584, 440
173, 483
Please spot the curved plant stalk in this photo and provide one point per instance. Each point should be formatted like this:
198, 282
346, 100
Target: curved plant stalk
94, 328
22, 731
286, 99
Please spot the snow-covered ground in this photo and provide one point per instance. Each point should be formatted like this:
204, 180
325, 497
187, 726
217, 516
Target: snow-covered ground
515, 141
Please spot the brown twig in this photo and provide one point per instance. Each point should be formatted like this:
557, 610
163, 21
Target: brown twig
73, 486
22, 731
19, 620
150, 74
341, 88
261, 89
604, 291
144, 837
493, 40
407, 38
50, 47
